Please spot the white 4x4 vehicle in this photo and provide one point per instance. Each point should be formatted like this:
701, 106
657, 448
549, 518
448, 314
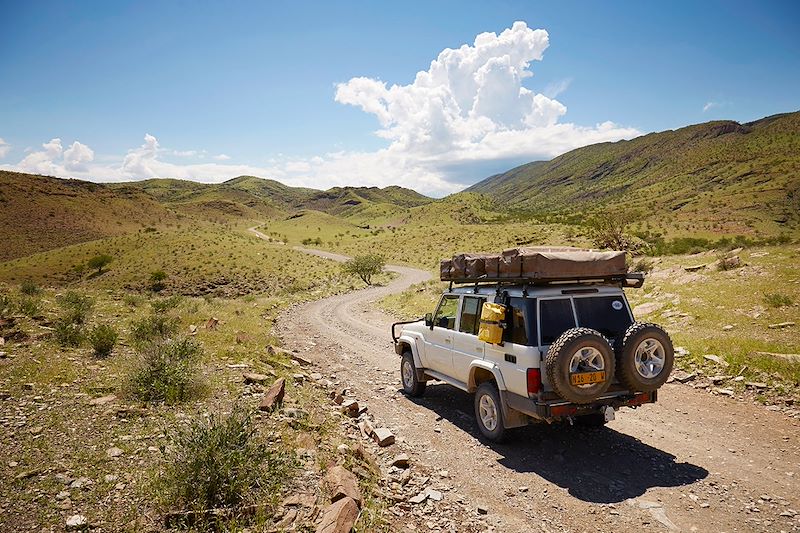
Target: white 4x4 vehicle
569, 351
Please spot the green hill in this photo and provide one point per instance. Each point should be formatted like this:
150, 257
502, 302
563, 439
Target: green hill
717, 177
39, 213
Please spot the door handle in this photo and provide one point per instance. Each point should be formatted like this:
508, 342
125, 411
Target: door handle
447, 341
479, 348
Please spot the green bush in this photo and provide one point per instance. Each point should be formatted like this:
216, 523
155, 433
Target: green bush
157, 280
30, 288
6, 305
76, 307
153, 327
67, 333
777, 299
29, 306
165, 304
364, 266
133, 300
166, 372
103, 338
643, 265
222, 462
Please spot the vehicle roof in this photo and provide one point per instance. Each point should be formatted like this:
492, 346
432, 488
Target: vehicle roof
535, 291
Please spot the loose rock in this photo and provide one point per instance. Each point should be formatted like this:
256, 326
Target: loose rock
77, 522
274, 396
383, 437
341, 483
339, 517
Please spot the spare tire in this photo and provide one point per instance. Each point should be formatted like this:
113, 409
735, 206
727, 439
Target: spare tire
578, 352
644, 357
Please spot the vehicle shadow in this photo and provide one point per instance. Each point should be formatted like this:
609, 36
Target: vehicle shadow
598, 465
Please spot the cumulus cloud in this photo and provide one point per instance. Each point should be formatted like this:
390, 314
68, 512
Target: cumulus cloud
472, 113
4, 148
472, 105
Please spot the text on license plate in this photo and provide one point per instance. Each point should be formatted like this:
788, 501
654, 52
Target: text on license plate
587, 378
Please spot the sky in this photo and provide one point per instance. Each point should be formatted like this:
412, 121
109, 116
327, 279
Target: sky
429, 95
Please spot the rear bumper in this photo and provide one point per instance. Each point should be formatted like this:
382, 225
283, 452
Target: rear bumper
554, 409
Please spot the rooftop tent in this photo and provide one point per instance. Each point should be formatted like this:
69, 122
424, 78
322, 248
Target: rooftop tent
534, 263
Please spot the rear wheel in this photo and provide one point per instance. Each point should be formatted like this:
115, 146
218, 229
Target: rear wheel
580, 365
489, 412
645, 360
408, 376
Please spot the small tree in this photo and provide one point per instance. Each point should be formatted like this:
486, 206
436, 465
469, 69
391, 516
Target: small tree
99, 261
157, 280
365, 266
608, 231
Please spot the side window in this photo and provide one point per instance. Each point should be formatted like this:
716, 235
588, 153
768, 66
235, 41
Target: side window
522, 322
556, 318
471, 315
446, 313
606, 314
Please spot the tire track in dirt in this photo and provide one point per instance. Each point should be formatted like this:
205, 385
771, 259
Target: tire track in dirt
691, 462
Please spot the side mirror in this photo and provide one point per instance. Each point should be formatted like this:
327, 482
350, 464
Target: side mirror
429, 320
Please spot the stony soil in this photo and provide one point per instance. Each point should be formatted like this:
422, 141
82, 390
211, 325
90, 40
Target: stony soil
691, 462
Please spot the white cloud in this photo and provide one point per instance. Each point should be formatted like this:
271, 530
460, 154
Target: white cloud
469, 115
710, 105
4, 148
77, 156
471, 107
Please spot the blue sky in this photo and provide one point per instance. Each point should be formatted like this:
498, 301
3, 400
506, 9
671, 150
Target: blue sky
292, 90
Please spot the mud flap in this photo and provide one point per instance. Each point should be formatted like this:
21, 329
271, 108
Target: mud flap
608, 413
511, 417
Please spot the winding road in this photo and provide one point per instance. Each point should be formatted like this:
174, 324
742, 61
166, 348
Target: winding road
691, 462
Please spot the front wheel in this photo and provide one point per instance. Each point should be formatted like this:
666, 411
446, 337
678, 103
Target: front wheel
489, 413
408, 376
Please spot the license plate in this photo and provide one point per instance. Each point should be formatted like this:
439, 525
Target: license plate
587, 378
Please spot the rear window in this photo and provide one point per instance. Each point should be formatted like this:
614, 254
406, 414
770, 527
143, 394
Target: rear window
606, 314
556, 318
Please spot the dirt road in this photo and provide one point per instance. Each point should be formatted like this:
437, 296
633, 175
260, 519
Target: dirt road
691, 462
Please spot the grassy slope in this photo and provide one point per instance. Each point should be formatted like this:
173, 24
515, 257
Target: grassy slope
718, 177
198, 259
40, 213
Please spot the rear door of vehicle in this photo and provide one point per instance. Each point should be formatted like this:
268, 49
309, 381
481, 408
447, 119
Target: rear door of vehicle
556, 315
466, 345
439, 340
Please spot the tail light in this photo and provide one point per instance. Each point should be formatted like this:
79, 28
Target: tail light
534, 381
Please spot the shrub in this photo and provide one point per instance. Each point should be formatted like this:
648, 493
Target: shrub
29, 306
643, 265
364, 266
166, 372
67, 333
99, 261
157, 279
6, 304
76, 306
153, 327
165, 304
221, 462
29, 288
777, 299
103, 338
132, 300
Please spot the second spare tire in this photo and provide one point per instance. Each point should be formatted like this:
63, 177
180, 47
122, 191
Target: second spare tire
644, 357
580, 365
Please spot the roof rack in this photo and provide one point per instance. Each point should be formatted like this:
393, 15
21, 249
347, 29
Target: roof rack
631, 280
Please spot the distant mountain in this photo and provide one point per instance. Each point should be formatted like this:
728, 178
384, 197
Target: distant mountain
718, 176
39, 213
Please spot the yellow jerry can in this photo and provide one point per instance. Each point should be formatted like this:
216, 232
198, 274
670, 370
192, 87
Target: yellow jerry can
492, 317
